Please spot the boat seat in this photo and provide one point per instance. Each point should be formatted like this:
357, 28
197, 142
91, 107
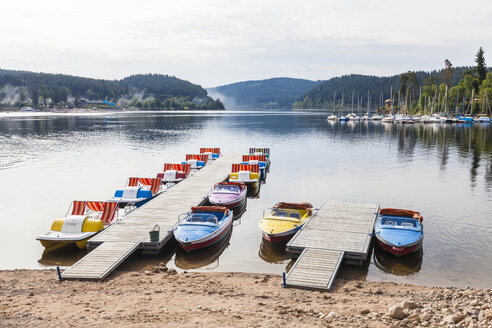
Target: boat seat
407, 224
295, 215
390, 222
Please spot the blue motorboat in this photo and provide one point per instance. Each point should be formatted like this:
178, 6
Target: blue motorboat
398, 231
203, 226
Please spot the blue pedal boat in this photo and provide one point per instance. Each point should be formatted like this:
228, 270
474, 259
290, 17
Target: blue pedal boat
202, 227
137, 192
398, 231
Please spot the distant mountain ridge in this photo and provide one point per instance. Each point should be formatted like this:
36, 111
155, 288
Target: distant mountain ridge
154, 91
274, 93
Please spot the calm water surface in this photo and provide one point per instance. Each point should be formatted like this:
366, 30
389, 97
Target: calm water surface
444, 171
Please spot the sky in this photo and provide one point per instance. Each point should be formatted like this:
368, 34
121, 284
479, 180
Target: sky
217, 42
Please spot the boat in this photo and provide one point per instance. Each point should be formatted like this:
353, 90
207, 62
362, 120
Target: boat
262, 151
247, 173
231, 195
353, 117
257, 159
366, 117
196, 161
377, 117
138, 191
203, 226
388, 119
398, 231
332, 117
282, 221
343, 118
212, 153
174, 173
206, 258
464, 119
482, 119
83, 220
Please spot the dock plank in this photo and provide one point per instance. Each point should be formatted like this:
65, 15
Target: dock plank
320, 276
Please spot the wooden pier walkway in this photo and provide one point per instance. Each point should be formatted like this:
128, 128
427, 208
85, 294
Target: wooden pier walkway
120, 240
338, 232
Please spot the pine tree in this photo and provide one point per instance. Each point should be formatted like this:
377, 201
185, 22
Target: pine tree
481, 66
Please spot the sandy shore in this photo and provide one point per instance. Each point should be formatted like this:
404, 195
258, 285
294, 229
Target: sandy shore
165, 298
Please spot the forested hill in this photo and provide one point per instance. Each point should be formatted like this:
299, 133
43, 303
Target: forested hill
155, 91
271, 93
322, 95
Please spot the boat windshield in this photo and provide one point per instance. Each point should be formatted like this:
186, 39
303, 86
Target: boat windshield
399, 222
282, 214
198, 219
227, 189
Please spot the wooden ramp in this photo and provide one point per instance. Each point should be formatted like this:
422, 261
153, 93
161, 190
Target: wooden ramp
314, 269
338, 231
99, 263
116, 243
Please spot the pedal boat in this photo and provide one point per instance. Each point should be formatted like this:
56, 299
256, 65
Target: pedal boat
212, 153
262, 151
196, 161
282, 221
83, 221
203, 226
231, 195
138, 191
248, 174
398, 231
174, 173
257, 159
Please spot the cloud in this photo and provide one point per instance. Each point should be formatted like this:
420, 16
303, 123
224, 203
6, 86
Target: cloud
216, 42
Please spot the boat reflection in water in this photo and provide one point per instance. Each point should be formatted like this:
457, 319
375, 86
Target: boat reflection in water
275, 253
399, 266
62, 256
203, 258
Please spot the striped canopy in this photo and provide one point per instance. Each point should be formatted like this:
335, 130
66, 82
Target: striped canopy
247, 158
78, 207
259, 150
255, 168
198, 157
132, 182
108, 210
178, 167
210, 150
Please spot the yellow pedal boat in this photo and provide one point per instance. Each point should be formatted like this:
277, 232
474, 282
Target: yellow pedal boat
282, 221
84, 219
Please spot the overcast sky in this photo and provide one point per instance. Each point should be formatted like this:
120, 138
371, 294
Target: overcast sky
217, 42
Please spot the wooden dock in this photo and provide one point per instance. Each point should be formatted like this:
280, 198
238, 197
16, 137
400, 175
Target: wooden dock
121, 239
338, 232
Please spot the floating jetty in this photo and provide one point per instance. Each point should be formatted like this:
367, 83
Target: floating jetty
115, 244
337, 232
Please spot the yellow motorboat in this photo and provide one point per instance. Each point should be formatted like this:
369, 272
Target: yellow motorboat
83, 220
282, 221
247, 173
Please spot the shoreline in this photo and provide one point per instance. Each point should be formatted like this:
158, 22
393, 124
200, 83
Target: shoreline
163, 297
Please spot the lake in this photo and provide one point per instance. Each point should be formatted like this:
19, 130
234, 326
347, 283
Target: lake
442, 170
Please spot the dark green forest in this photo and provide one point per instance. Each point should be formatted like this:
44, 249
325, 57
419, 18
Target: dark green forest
146, 91
264, 94
356, 86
